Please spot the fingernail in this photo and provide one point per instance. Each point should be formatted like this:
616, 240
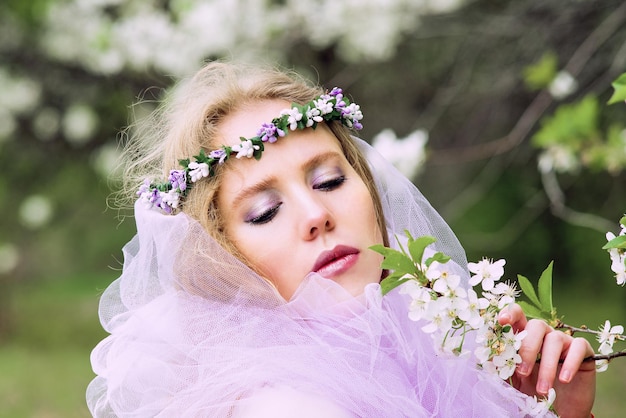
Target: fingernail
523, 369
566, 376
505, 316
542, 387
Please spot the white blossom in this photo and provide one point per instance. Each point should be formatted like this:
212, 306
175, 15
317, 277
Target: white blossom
486, 272
323, 105
558, 158
9, 257
171, 198
607, 336
245, 149
312, 116
420, 298
618, 260
35, 211
79, 123
198, 170
506, 362
539, 407
406, 154
475, 305
294, 116
562, 85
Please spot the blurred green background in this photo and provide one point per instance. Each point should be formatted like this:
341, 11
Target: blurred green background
523, 157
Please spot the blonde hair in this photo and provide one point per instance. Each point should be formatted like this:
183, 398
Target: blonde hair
189, 119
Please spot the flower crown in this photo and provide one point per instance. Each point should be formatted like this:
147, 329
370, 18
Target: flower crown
331, 106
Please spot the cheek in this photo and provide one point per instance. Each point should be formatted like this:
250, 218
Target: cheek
369, 217
263, 255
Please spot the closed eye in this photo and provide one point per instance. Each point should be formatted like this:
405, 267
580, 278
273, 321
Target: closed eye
330, 185
264, 217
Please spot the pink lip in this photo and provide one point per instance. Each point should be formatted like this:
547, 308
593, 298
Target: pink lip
336, 261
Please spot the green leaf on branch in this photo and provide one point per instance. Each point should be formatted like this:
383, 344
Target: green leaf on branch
540, 301
395, 260
531, 311
391, 282
418, 246
619, 95
528, 290
545, 289
617, 242
571, 125
438, 257
539, 75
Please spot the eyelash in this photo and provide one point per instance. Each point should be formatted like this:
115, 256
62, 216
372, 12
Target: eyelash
268, 215
330, 185
265, 217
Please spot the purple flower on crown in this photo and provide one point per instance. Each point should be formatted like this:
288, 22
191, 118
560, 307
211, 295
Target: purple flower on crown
170, 200
268, 133
154, 197
331, 106
218, 154
165, 207
353, 115
336, 91
144, 189
178, 179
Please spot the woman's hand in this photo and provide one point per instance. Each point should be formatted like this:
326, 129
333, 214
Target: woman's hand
561, 366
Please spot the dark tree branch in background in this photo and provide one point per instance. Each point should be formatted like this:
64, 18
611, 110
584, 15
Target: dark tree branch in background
539, 105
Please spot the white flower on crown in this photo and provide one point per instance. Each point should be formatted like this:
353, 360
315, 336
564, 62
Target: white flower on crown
171, 198
294, 117
354, 111
313, 115
323, 105
245, 149
198, 170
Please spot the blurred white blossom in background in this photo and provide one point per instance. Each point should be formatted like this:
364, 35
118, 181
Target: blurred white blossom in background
105, 36
35, 211
20, 95
9, 257
79, 123
106, 161
563, 85
406, 154
46, 123
558, 158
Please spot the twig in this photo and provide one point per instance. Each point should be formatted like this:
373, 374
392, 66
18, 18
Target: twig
559, 209
539, 105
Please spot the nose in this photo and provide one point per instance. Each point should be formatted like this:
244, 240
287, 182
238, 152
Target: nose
316, 218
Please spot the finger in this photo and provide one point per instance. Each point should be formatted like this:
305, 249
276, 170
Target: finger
554, 345
513, 315
578, 350
531, 345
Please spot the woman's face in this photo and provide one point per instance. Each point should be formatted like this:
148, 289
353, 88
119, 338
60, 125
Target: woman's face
301, 208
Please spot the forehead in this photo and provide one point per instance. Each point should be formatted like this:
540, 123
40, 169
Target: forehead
290, 158
247, 119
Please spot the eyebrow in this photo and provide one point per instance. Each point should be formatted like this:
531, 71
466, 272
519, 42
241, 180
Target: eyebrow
269, 182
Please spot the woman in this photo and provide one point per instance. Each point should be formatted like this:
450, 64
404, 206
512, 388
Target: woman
250, 289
